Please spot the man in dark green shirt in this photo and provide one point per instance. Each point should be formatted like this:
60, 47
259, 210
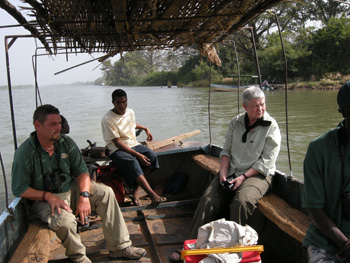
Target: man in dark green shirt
326, 180
48, 169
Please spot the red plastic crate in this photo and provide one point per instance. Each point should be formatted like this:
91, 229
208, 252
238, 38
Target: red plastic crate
248, 257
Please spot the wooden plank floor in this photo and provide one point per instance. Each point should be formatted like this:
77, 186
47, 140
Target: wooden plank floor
159, 230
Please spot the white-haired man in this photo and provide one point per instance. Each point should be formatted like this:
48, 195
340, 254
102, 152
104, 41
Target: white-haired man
248, 159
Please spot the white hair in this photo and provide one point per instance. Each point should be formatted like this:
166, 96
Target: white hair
252, 93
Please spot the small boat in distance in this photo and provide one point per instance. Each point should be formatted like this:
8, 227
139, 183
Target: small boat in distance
225, 88
229, 88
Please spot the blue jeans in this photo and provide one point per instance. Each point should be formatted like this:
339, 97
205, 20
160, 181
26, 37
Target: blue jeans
129, 167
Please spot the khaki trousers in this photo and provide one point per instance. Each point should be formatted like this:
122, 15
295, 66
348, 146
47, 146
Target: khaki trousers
102, 201
241, 202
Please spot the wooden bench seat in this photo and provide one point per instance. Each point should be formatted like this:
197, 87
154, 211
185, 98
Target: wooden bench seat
290, 220
35, 246
208, 162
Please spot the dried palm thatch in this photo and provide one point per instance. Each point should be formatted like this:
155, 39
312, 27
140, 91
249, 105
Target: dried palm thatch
114, 26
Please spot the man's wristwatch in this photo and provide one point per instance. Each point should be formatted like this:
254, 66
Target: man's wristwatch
85, 194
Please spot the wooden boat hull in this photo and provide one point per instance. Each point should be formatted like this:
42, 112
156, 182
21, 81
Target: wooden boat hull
164, 228
12, 228
225, 88
229, 88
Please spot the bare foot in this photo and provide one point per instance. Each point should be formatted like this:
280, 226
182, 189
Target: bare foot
135, 200
158, 200
175, 256
159, 187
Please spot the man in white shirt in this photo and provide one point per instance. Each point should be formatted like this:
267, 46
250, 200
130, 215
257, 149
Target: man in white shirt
132, 159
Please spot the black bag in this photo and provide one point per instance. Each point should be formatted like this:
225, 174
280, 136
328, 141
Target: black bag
94, 151
176, 183
53, 182
98, 152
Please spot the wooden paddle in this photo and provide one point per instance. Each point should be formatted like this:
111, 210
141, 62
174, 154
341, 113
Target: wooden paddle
159, 144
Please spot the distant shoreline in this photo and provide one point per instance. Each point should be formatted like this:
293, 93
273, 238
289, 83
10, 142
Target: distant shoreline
291, 86
306, 86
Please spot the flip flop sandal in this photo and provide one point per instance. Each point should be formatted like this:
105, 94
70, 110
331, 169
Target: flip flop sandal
162, 199
135, 201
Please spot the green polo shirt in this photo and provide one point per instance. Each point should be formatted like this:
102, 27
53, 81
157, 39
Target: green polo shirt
27, 170
323, 185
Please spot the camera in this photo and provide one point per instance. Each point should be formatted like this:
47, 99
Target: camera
346, 205
53, 182
80, 222
226, 184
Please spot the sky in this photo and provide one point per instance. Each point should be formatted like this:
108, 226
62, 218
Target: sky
20, 57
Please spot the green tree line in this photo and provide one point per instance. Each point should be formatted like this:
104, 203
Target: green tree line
311, 51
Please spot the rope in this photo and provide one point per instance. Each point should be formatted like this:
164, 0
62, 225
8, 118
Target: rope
5, 183
285, 91
209, 104
239, 77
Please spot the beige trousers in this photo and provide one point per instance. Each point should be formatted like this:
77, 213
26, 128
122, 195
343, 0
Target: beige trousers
241, 203
102, 201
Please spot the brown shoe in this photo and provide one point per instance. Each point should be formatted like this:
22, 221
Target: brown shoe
129, 252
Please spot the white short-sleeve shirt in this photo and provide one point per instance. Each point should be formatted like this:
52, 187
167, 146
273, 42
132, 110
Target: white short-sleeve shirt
119, 126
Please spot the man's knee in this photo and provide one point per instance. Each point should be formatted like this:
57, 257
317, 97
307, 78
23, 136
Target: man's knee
148, 153
152, 156
243, 203
108, 192
208, 201
245, 199
103, 191
205, 200
65, 220
250, 194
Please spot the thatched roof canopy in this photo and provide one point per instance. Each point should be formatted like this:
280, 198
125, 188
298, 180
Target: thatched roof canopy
114, 26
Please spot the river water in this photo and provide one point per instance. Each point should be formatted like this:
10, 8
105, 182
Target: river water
168, 112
